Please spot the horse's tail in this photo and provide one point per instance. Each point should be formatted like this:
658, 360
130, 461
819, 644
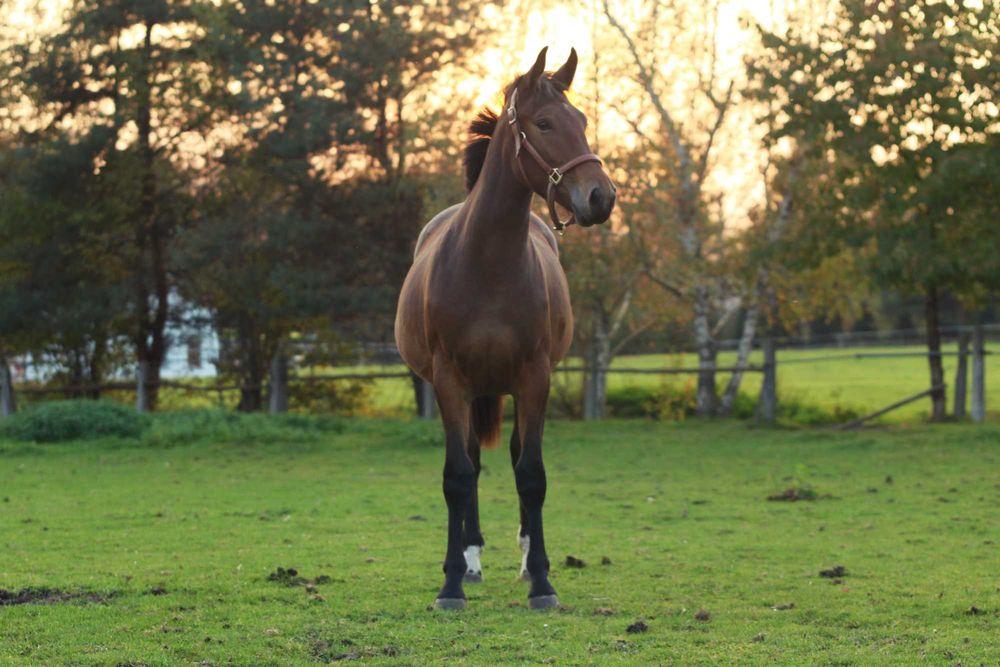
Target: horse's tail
487, 415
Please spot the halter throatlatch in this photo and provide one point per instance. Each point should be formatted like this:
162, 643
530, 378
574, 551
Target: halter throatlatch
555, 174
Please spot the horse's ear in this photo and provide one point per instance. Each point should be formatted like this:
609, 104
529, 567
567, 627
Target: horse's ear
564, 75
530, 80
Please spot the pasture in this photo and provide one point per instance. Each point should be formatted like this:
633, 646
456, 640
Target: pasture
161, 550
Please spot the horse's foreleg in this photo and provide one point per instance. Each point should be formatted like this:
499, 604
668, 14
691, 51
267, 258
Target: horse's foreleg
529, 473
458, 485
473, 540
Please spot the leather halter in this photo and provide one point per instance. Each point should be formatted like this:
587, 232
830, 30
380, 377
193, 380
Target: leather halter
555, 174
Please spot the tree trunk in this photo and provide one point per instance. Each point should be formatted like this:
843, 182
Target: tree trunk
705, 343
142, 386
278, 399
939, 406
767, 406
251, 390
8, 402
150, 336
961, 375
978, 375
742, 354
595, 396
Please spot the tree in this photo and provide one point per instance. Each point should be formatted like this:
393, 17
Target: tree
121, 83
676, 221
899, 94
314, 217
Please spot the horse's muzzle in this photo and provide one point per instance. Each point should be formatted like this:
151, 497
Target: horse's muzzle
599, 204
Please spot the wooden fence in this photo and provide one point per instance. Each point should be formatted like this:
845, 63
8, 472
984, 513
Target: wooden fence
970, 346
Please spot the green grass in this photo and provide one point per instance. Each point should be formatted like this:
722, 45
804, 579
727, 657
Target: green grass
179, 531
858, 385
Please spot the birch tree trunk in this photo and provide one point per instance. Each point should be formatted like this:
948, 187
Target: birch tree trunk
705, 343
595, 396
742, 355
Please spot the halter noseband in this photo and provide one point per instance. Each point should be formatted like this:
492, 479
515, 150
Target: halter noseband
555, 174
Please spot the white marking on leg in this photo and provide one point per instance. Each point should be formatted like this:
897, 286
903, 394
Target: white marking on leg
525, 542
472, 564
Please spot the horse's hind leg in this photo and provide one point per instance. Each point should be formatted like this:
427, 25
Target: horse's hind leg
522, 530
529, 472
473, 537
458, 485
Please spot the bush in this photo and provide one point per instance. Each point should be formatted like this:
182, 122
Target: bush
56, 421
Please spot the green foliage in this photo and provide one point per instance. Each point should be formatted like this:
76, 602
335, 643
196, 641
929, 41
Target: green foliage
887, 103
330, 396
57, 421
674, 402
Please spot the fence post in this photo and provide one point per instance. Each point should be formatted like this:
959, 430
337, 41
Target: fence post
768, 402
278, 395
961, 375
428, 402
8, 404
978, 375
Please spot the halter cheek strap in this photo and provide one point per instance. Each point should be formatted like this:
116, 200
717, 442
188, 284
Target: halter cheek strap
555, 174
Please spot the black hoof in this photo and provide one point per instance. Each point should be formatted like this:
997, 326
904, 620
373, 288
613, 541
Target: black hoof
473, 578
449, 603
543, 602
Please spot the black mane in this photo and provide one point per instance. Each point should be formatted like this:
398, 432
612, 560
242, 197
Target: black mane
482, 127
480, 131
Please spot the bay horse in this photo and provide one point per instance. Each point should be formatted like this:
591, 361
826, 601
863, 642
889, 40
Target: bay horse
485, 309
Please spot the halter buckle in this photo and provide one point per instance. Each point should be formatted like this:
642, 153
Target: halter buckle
559, 227
555, 176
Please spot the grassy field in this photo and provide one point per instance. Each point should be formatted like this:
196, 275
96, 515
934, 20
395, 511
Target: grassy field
861, 385
157, 551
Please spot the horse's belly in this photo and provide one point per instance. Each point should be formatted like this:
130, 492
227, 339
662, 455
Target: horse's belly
490, 355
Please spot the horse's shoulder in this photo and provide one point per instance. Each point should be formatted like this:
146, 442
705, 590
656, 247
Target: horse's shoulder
431, 229
543, 230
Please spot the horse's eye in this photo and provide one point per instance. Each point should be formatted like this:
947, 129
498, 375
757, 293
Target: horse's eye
543, 124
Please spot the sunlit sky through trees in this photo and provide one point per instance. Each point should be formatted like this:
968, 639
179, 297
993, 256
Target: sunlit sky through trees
528, 26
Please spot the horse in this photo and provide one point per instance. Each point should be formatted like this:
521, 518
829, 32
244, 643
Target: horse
485, 309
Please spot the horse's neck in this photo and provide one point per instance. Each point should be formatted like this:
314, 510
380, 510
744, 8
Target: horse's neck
498, 208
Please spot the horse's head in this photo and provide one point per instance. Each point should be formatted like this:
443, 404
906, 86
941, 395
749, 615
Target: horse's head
552, 152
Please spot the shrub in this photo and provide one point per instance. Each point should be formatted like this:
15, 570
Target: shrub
56, 421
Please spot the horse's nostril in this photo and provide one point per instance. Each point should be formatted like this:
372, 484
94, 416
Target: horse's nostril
601, 201
596, 199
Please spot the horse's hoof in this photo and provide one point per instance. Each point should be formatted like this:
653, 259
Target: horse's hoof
543, 602
525, 576
473, 578
450, 603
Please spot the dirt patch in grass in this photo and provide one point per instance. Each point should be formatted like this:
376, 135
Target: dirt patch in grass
835, 572
47, 596
792, 495
291, 577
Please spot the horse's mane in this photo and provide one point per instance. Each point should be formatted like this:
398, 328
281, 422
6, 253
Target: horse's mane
480, 131
485, 123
